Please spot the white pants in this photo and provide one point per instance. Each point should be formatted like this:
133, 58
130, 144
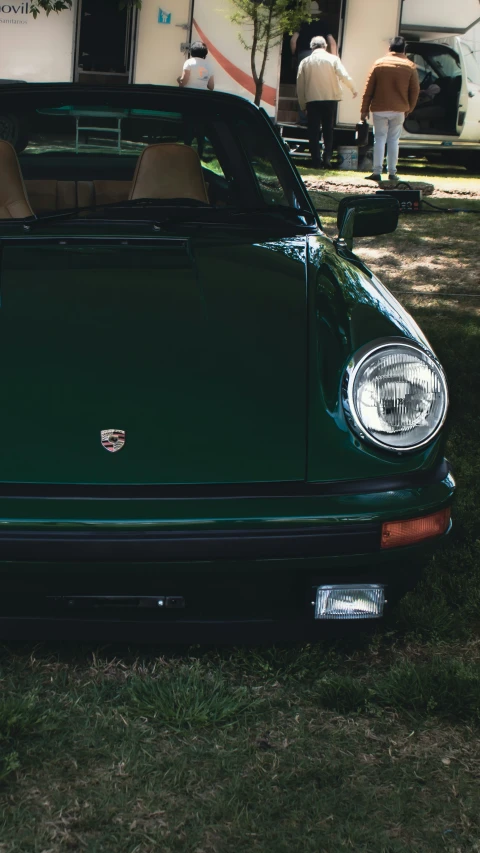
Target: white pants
387, 128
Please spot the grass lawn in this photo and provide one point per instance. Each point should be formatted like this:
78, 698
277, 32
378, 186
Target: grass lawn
370, 746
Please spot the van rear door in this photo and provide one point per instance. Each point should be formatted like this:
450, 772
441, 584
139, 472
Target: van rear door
421, 16
367, 29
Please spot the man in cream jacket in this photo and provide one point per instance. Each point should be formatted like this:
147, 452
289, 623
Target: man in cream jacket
319, 89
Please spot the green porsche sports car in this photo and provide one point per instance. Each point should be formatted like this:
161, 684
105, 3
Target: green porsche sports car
216, 422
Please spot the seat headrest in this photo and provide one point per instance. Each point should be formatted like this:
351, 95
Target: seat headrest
169, 170
13, 196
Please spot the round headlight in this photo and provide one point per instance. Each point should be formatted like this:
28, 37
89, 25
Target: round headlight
395, 395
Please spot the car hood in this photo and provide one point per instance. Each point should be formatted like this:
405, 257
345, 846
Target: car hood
198, 352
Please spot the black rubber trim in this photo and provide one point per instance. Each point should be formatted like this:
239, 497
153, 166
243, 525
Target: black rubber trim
400, 482
159, 546
105, 240
184, 632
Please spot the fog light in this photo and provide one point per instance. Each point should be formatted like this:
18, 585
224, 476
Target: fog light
350, 601
398, 533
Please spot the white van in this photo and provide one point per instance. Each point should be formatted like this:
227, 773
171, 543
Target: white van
449, 125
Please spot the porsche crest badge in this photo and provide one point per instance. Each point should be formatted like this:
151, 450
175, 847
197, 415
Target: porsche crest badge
112, 439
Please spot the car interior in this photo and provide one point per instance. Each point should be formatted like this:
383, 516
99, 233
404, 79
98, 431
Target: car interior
65, 165
163, 171
440, 76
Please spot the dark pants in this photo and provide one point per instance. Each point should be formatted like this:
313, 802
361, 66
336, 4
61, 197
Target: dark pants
320, 114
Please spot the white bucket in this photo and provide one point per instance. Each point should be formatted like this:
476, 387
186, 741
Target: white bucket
348, 157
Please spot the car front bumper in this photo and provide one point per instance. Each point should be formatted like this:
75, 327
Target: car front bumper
79, 562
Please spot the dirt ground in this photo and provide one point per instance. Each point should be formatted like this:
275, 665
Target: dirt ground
435, 186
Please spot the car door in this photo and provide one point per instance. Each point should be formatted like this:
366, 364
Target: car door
468, 119
438, 64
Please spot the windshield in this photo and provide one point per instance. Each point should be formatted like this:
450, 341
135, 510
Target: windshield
89, 150
471, 63
435, 64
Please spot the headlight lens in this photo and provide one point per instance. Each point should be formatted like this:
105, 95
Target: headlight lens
396, 396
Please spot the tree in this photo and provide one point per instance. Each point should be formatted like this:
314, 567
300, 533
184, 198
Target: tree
268, 20
48, 6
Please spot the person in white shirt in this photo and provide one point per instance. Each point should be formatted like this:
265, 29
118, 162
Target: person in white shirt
197, 73
319, 89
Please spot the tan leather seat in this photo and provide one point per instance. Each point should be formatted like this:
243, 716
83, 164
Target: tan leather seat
91, 193
85, 194
46, 196
109, 192
13, 196
169, 170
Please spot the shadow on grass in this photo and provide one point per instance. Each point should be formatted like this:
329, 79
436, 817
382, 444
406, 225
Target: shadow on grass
21, 717
446, 689
446, 605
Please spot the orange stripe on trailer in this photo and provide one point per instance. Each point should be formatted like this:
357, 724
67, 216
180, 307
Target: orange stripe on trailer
269, 94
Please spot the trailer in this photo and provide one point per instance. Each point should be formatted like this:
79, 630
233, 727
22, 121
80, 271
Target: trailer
97, 43
448, 126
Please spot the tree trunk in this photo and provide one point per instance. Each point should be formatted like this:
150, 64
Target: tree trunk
266, 49
258, 81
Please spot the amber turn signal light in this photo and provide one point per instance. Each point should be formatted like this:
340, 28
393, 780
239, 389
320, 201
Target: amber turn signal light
398, 533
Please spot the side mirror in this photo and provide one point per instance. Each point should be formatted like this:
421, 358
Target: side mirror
366, 216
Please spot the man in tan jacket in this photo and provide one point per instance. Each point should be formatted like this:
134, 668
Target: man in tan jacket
318, 91
390, 94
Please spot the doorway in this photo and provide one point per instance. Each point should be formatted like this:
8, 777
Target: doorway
104, 42
326, 18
